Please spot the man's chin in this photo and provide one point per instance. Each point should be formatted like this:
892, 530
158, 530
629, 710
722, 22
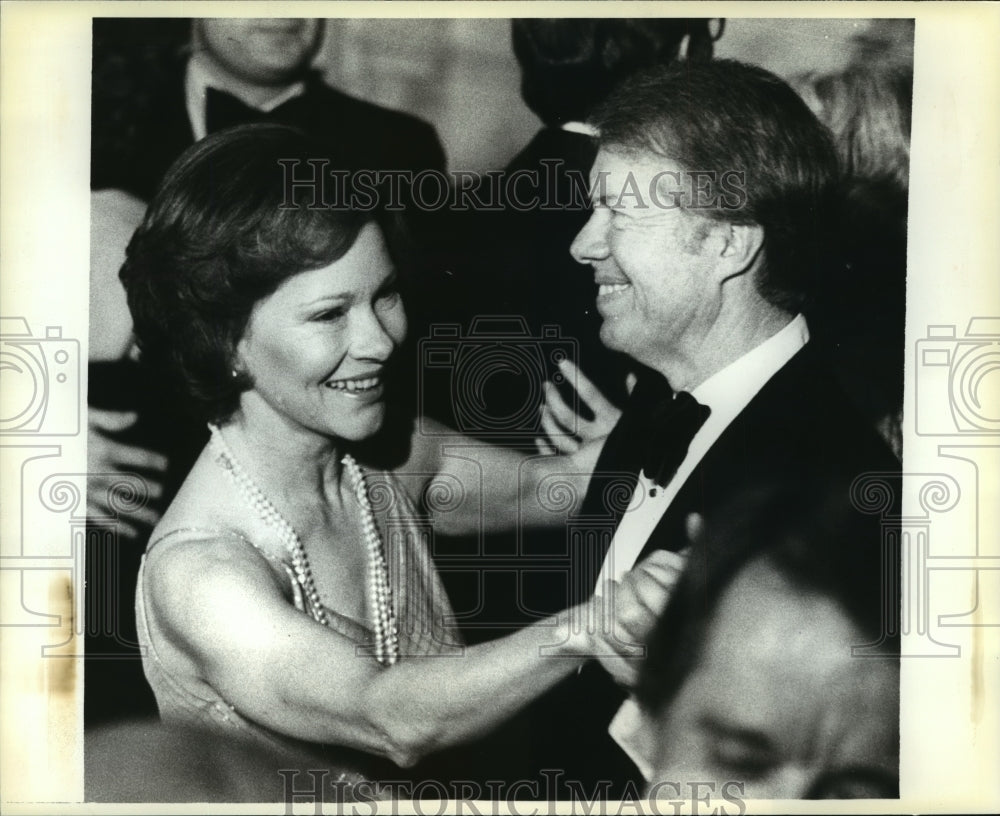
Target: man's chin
610, 337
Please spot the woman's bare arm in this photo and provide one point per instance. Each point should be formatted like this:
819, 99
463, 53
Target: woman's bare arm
222, 606
490, 488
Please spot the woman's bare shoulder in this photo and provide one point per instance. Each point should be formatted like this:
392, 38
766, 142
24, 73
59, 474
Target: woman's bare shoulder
193, 575
203, 553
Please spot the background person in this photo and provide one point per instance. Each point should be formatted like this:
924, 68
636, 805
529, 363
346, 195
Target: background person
753, 676
160, 85
859, 311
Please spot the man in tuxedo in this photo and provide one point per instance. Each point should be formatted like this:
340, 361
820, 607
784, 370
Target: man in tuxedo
710, 192
154, 97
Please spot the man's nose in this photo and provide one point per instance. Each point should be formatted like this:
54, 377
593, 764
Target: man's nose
590, 244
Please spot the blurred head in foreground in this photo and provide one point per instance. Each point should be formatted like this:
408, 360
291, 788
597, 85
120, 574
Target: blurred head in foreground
772, 666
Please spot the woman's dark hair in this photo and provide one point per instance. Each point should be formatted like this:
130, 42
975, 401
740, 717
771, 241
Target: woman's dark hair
723, 117
568, 65
224, 231
814, 538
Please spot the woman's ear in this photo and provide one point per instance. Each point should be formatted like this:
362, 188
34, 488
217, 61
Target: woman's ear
237, 358
742, 244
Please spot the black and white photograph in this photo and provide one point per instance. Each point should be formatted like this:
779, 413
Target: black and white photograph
516, 412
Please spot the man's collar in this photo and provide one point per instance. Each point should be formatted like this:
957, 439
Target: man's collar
635, 733
579, 127
198, 78
742, 378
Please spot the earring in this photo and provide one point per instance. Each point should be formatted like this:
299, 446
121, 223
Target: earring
235, 373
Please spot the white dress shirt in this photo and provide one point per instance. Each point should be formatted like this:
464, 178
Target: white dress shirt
198, 79
726, 393
635, 733
579, 127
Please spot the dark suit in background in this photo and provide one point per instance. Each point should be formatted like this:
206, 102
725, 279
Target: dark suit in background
140, 123
358, 134
511, 258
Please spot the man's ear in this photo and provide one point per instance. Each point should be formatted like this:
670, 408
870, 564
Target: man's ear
742, 245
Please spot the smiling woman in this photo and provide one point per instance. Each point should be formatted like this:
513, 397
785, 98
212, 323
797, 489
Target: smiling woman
288, 586
316, 349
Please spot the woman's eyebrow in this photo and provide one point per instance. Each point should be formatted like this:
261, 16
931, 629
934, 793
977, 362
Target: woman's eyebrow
326, 299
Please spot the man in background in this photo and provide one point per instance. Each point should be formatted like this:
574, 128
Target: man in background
774, 671
160, 85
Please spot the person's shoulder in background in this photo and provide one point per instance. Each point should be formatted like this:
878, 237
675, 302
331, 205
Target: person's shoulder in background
139, 124
384, 138
114, 215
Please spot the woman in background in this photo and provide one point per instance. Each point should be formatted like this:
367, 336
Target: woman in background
859, 311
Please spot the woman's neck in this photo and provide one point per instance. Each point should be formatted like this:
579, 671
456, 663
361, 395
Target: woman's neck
291, 464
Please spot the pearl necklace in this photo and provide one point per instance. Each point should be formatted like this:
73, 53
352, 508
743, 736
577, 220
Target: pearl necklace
379, 591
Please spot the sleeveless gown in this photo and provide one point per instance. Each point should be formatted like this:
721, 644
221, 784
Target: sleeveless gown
423, 614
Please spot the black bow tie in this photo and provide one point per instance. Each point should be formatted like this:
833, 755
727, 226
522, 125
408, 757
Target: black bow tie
668, 424
223, 110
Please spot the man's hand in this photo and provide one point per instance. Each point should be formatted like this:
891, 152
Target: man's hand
637, 601
565, 430
109, 460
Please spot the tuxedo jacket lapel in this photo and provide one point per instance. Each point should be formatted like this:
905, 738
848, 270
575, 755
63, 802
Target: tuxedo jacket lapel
799, 426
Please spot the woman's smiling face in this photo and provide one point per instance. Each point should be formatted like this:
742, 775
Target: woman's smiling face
316, 349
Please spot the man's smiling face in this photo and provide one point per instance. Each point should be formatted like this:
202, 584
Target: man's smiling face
652, 260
